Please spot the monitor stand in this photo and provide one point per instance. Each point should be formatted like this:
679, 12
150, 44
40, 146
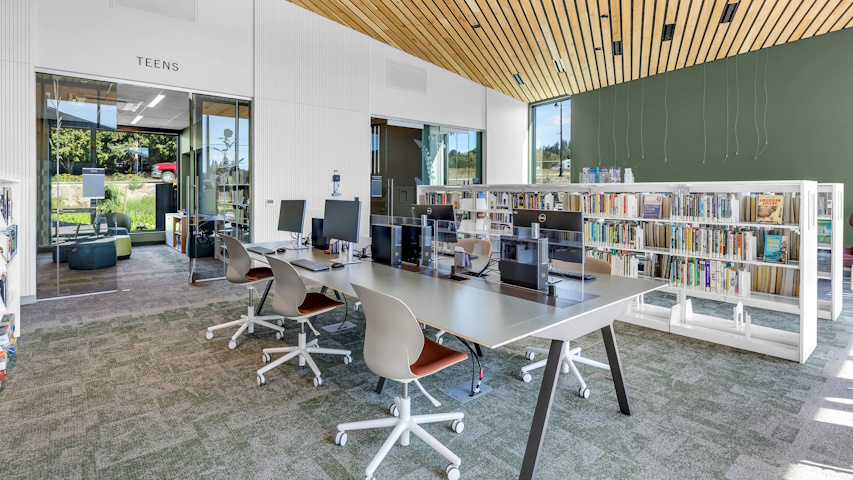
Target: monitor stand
299, 244
348, 259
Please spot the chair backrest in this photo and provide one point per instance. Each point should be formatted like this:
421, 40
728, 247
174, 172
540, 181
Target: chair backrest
117, 219
290, 291
239, 261
393, 340
475, 246
596, 265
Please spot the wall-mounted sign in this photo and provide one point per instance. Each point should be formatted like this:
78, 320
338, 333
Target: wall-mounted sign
157, 63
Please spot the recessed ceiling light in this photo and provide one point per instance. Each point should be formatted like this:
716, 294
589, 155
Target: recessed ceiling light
668, 32
729, 12
518, 79
156, 100
136, 120
476, 25
558, 63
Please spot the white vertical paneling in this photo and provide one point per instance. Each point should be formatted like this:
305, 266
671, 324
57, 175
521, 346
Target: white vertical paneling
310, 114
17, 127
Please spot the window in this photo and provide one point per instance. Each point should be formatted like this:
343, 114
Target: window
453, 157
552, 147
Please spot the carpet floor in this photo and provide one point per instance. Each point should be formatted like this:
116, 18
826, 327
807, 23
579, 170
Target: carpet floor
125, 385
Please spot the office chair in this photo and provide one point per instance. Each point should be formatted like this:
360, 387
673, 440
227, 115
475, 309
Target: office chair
240, 271
395, 348
292, 300
572, 355
472, 246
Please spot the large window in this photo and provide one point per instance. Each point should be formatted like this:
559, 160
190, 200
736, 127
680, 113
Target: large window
452, 156
552, 146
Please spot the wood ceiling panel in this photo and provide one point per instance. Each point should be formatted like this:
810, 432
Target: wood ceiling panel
488, 41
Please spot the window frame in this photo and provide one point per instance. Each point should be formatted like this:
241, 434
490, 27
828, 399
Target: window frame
531, 135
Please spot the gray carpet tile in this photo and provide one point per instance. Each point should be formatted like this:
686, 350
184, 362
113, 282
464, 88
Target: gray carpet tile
125, 385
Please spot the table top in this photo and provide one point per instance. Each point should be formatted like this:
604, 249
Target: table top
481, 310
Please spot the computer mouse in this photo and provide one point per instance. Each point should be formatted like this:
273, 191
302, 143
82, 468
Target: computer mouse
280, 249
338, 265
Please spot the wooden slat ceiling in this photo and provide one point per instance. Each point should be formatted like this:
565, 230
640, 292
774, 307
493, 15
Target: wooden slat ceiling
488, 41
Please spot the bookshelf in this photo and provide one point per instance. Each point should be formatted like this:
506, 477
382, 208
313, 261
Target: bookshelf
830, 246
707, 227
10, 276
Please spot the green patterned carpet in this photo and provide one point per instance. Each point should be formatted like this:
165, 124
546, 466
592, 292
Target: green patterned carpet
126, 386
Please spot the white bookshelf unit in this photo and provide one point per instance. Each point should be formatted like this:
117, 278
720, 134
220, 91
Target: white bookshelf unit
614, 208
830, 210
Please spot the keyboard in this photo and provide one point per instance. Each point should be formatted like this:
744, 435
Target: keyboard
572, 275
310, 265
261, 250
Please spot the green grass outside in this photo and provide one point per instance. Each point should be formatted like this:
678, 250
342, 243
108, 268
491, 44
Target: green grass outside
141, 212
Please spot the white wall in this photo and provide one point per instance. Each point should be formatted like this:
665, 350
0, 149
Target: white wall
506, 140
93, 37
17, 127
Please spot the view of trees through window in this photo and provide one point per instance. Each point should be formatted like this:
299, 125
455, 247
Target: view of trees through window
463, 158
552, 148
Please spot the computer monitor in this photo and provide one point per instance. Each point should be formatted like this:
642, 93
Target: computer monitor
446, 214
291, 216
341, 221
559, 247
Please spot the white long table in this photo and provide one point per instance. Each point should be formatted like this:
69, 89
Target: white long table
488, 313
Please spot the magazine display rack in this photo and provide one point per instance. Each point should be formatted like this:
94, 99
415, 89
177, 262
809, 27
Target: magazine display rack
830, 246
10, 277
708, 243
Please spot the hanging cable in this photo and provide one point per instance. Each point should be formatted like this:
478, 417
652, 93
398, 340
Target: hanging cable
628, 129
704, 124
615, 98
755, 108
766, 99
727, 112
666, 110
599, 127
642, 111
737, 105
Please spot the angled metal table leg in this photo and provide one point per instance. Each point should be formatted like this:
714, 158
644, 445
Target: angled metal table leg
263, 298
616, 369
535, 440
380, 385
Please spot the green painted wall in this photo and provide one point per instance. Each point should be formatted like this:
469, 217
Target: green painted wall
809, 119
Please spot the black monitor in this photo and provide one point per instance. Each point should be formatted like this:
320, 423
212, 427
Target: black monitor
341, 220
440, 213
559, 247
291, 215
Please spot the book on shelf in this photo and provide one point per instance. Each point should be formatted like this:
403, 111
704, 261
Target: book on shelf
622, 264
824, 231
705, 207
652, 205
824, 261
775, 249
613, 234
770, 209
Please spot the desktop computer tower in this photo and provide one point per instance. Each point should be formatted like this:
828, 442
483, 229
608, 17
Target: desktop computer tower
387, 244
417, 244
524, 262
317, 238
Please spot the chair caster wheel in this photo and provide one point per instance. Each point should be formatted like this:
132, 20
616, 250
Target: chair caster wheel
439, 340
279, 335
341, 438
280, 322
208, 335
347, 359
526, 377
318, 382
394, 411
583, 392
452, 472
261, 380
370, 478
530, 356
458, 426
267, 358
232, 344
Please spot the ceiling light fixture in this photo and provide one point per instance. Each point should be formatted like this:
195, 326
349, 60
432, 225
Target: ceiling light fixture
558, 63
617, 47
518, 79
159, 98
668, 32
729, 12
136, 120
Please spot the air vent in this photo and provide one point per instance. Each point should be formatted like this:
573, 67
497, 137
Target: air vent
124, 106
181, 10
558, 63
407, 77
617, 47
729, 12
668, 31
518, 79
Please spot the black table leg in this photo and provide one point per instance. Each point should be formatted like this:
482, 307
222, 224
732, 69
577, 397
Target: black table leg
380, 385
479, 349
326, 289
263, 298
543, 409
616, 369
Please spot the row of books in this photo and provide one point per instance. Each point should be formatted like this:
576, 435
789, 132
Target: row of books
613, 204
710, 276
612, 234
623, 264
601, 175
6, 204
713, 242
771, 209
704, 207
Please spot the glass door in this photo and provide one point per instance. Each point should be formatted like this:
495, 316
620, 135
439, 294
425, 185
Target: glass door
219, 198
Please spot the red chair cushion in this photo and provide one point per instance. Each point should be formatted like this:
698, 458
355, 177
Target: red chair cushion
315, 302
258, 273
435, 357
